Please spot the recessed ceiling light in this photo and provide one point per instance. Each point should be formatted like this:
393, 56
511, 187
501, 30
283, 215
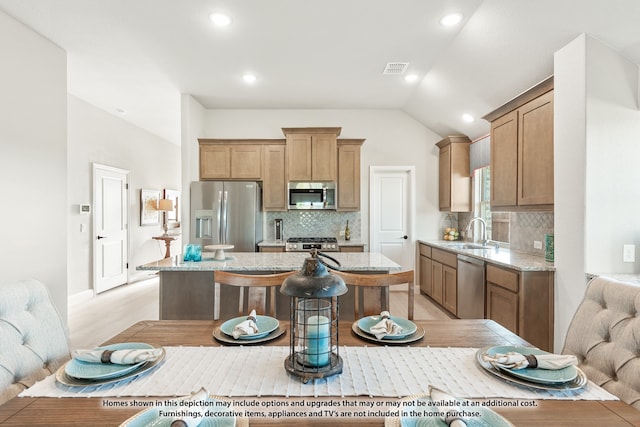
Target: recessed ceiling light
468, 118
451, 19
220, 19
249, 78
411, 78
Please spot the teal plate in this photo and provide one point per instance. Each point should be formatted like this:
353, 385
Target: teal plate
486, 417
408, 327
541, 376
265, 325
151, 417
102, 371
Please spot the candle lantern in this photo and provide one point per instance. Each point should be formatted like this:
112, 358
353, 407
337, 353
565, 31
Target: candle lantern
313, 343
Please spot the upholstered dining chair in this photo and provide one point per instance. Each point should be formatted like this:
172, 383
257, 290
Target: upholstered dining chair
33, 338
240, 293
371, 293
605, 336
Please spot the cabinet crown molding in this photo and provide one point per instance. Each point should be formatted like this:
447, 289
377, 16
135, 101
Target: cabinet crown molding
315, 130
453, 139
528, 95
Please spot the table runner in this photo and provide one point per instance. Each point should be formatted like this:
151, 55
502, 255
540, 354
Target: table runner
368, 371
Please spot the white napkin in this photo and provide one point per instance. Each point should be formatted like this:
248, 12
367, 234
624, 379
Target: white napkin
247, 327
448, 406
513, 360
192, 421
386, 326
119, 357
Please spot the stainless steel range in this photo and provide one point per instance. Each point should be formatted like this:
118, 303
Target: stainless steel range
303, 244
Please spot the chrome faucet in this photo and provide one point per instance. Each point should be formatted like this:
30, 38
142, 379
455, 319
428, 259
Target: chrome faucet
484, 229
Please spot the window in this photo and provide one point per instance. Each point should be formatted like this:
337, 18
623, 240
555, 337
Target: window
497, 222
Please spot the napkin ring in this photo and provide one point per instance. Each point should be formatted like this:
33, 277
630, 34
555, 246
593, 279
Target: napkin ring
106, 356
531, 360
251, 318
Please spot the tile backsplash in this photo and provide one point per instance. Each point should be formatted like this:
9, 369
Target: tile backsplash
313, 224
525, 228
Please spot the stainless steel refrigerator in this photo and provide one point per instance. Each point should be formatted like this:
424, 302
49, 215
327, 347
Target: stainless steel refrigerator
226, 212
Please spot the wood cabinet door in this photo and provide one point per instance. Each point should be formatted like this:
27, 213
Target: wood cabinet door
444, 178
299, 157
425, 275
324, 154
356, 248
502, 306
450, 289
274, 182
215, 162
504, 160
349, 177
535, 151
436, 281
246, 162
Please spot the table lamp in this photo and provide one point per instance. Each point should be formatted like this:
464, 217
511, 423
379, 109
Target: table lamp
165, 205
313, 343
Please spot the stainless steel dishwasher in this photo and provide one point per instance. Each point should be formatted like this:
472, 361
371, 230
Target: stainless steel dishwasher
470, 288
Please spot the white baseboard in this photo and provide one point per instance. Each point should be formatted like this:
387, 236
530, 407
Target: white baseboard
80, 297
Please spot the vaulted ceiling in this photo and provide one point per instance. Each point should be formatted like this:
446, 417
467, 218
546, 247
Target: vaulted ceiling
133, 58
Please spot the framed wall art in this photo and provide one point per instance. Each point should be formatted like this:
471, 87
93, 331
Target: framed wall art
149, 214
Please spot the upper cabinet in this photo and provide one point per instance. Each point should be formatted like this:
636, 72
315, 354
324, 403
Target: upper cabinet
312, 153
227, 159
274, 182
522, 151
349, 174
454, 180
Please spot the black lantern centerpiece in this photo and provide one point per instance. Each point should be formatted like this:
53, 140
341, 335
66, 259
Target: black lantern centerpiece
313, 344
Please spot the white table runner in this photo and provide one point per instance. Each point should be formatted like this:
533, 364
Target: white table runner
368, 371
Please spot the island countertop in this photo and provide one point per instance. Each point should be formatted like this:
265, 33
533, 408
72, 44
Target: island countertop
272, 262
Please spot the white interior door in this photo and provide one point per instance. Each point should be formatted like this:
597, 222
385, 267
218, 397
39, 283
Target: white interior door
110, 224
391, 211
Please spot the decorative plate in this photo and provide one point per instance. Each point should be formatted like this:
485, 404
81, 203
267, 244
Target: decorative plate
542, 376
487, 417
416, 336
63, 378
265, 325
579, 382
227, 339
408, 327
100, 371
150, 417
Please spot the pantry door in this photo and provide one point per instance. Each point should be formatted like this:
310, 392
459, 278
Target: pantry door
110, 227
391, 211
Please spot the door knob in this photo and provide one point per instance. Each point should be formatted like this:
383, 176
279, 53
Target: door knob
101, 237
405, 237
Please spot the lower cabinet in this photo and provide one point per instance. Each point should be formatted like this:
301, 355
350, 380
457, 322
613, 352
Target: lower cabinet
438, 276
522, 301
271, 248
352, 248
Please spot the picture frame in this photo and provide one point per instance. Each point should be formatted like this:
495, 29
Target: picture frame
173, 217
149, 214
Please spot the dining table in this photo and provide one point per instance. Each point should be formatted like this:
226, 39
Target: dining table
370, 409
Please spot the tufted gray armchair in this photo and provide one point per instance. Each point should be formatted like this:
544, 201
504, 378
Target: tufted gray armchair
33, 338
605, 336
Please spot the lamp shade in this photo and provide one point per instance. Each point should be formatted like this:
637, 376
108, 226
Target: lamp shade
165, 205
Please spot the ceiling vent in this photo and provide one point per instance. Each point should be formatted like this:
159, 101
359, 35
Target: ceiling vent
395, 68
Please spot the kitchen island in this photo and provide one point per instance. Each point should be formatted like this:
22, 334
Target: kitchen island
187, 290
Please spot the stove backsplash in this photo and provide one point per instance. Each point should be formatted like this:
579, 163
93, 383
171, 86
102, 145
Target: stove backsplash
313, 224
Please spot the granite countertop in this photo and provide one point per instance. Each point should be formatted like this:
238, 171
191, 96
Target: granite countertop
281, 243
503, 256
272, 262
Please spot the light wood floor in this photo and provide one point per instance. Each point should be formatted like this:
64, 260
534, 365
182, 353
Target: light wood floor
93, 321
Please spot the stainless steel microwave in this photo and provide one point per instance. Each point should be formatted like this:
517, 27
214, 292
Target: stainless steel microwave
312, 195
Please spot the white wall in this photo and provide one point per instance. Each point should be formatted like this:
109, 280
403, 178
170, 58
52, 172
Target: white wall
596, 132
33, 159
391, 138
96, 136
